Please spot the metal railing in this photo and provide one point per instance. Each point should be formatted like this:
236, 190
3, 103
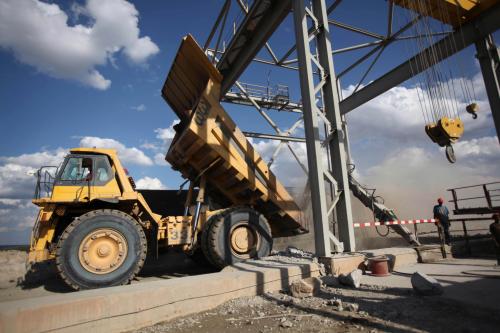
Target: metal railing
278, 94
465, 232
476, 199
45, 181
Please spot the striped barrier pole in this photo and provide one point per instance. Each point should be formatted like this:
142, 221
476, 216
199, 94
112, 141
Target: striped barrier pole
374, 224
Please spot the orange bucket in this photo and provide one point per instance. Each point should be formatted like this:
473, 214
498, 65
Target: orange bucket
379, 266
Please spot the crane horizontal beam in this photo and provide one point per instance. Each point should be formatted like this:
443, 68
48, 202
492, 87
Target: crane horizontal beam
468, 34
259, 24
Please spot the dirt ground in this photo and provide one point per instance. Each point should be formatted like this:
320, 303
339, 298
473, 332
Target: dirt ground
379, 310
12, 267
43, 279
334, 308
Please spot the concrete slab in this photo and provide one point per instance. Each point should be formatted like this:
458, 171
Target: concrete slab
130, 307
472, 282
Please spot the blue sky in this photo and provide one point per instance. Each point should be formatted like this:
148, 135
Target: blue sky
51, 99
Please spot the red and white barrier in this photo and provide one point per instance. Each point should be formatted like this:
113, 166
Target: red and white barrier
374, 224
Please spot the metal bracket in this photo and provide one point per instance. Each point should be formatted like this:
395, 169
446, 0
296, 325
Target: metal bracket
337, 245
329, 138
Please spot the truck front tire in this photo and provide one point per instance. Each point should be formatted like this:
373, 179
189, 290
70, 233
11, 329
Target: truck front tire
101, 248
236, 235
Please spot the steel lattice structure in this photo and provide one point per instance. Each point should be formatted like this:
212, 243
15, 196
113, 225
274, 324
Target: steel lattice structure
321, 102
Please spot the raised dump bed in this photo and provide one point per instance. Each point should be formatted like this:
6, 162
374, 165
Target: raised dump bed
208, 142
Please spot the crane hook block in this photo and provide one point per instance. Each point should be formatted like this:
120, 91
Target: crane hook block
446, 131
472, 108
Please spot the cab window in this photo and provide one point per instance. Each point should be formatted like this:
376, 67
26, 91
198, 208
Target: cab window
103, 171
77, 169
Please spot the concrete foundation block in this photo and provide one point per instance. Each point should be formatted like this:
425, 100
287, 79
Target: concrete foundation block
432, 253
125, 308
343, 263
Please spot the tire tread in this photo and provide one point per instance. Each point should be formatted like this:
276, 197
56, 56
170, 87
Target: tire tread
81, 219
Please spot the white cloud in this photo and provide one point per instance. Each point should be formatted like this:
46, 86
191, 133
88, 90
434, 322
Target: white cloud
486, 147
9, 202
38, 159
15, 180
148, 183
149, 146
139, 108
166, 134
17, 187
159, 159
164, 137
38, 33
141, 49
127, 155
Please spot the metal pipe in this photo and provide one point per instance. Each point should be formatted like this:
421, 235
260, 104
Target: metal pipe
216, 25
199, 200
369, 68
355, 29
188, 198
357, 47
214, 57
274, 137
390, 9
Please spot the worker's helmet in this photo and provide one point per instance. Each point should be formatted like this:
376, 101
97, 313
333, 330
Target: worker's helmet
440, 201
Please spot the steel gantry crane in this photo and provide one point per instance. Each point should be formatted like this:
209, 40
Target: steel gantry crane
321, 103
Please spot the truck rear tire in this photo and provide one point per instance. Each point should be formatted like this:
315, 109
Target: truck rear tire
101, 248
236, 235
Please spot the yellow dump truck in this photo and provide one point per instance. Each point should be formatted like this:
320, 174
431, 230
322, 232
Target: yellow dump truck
99, 228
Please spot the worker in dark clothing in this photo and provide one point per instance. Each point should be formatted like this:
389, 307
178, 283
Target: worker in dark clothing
495, 233
441, 214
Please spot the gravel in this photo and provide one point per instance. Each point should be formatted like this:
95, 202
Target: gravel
367, 309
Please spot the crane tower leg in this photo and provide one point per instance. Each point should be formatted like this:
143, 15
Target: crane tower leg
311, 91
489, 60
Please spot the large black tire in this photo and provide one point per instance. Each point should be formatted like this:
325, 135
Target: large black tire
217, 236
69, 260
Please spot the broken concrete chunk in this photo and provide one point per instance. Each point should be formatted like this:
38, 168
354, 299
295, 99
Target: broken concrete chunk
286, 324
352, 279
352, 307
330, 281
298, 253
301, 289
337, 303
425, 285
305, 287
